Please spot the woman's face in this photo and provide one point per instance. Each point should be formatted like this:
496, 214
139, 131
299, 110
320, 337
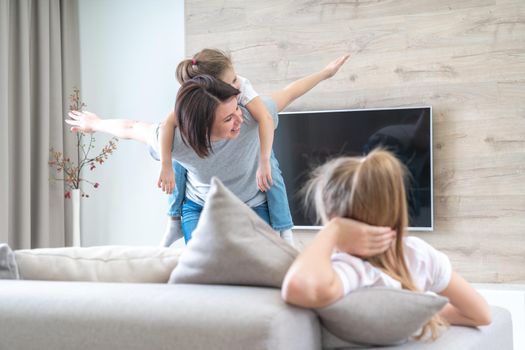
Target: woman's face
229, 77
228, 120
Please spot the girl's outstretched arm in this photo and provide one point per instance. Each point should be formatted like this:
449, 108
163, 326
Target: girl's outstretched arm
260, 113
299, 87
122, 128
466, 306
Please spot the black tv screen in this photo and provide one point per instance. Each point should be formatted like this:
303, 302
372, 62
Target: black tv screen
305, 140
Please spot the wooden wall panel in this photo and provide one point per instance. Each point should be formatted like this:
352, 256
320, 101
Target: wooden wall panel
465, 58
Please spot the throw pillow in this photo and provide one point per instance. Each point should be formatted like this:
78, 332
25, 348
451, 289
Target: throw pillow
233, 245
98, 264
380, 316
8, 267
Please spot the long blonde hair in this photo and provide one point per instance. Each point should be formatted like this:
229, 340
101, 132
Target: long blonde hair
212, 62
369, 189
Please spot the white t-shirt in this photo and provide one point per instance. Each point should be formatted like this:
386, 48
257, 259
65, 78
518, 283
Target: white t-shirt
430, 269
247, 92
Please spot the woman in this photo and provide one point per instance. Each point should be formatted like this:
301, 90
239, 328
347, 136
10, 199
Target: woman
350, 194
214, 137
219, 65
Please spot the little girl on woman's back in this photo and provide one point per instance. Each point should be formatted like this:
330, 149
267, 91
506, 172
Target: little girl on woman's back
351, 193
172, 177
219, 65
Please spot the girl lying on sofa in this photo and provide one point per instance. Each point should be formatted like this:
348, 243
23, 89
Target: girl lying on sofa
349, 194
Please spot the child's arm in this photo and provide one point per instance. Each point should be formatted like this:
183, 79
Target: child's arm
299, 87
259, 112
466, 306
311, 281
122, 128
166, 179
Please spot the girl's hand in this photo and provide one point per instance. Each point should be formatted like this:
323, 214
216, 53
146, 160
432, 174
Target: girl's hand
166, 179
264, 175
82, 121
360, 239
332, 68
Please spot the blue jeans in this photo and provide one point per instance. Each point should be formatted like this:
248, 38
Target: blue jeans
179, 191
278, 207
191, 213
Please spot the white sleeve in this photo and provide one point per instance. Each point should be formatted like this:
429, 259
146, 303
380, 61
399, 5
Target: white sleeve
154, 143
356, 273
441, 270
247, 91
433, 267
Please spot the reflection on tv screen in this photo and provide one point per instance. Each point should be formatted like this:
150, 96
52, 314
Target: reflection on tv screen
304, 140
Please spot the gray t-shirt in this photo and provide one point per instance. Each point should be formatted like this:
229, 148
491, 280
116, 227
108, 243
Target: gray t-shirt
234, 162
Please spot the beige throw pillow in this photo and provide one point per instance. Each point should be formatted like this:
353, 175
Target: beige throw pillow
98, 264
233, 245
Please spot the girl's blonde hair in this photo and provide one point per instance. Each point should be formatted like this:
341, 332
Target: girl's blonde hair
369, 189
208, 61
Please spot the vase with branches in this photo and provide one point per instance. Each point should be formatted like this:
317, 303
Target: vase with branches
69, 171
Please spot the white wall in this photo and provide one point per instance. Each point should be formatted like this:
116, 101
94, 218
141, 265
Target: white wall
129, 52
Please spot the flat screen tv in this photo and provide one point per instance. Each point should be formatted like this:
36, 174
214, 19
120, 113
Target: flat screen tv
305, 140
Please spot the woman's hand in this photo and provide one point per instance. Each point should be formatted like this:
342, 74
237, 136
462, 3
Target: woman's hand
264, 175
166, 179
360, 239
332, 68
82, 121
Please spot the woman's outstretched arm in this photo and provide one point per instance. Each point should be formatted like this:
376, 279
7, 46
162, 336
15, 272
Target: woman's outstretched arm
299, 87
122, 128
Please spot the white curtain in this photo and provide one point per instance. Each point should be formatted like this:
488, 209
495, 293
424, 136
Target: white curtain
39, 66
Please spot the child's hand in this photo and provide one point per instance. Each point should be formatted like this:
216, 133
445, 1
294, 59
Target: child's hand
264, 175
334, 66
82, 121
166, 179
360, 239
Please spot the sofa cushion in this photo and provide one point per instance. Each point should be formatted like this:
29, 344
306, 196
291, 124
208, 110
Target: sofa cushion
380, 316
112, 316
101, 264
232, 245
150, 316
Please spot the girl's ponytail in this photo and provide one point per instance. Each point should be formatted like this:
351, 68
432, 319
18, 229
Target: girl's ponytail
207, 61
186, 70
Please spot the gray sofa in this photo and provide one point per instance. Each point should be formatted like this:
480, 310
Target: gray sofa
155, 316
